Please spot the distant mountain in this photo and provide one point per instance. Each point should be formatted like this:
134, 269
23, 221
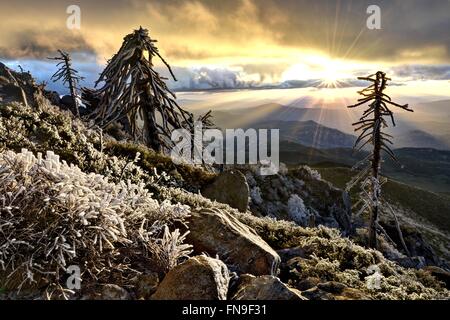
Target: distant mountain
421, 167
246, 117
290, 122
420, 139
309, 133
439, 109
331, 127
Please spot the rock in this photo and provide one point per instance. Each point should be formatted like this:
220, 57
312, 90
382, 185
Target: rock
307, 283
411, 262
67, 101
53, 97
289, 253
416, 243
332, 286
229, 187
317, 294
265, 288
114, 292
146, 285
107, 292
300, 195
199, 278
217, 232
440, 274
341, 292
291, 270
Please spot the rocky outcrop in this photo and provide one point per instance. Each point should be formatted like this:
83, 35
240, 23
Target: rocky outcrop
229, 187
199, 278
265, 288
20, 87
217, 232
299, 195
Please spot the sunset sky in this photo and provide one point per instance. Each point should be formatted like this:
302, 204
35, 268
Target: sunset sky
242, 43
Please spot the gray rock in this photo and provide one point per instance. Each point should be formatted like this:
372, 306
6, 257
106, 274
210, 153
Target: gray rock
412, 262
217, 232
199, 278
229, 187
265, 288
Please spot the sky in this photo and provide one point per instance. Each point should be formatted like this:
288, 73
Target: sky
237, 44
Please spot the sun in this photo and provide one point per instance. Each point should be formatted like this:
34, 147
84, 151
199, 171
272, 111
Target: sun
330, 73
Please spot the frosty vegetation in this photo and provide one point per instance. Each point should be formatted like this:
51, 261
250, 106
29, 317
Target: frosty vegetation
53, 215
70, 195
297, 209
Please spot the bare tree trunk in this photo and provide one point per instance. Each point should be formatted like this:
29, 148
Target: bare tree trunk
150, 131
72, 90
373, 222
371, 132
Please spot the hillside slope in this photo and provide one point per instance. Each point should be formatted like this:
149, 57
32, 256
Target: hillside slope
137, 226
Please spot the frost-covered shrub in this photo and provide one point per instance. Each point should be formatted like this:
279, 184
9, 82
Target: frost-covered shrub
314, 174
169, 250
91, 150
297, 210
53, 215
255, 195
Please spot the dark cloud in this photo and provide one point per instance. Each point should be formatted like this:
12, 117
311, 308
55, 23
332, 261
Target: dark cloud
414, 29
38, 44
422, 72
254, 41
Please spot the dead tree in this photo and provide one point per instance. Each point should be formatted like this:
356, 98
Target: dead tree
69, 76
132, 89
370, 126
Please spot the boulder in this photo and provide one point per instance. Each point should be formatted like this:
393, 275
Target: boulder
265, 288
289, 253
440, 274
198, 278
229, 187
67, 101
217, 232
